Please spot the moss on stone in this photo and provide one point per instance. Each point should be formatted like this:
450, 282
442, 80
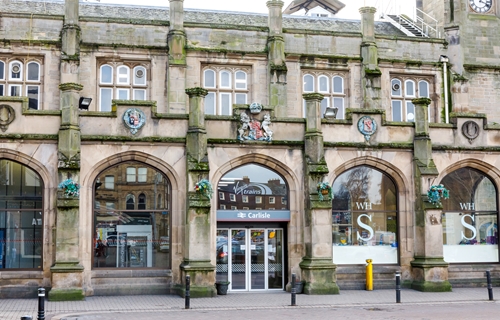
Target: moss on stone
105, 138
66, 295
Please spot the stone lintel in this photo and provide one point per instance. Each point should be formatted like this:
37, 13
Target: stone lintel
70, 86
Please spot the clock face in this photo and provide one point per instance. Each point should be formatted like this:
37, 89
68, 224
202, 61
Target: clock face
480, 6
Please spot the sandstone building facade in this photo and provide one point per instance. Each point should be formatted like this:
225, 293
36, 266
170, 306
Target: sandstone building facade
265, 110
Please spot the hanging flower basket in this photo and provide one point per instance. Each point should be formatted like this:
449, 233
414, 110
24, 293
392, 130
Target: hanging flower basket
204, 187
324, 189
435, 194
70, 188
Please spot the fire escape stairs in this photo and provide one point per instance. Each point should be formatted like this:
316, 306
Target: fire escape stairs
405, 25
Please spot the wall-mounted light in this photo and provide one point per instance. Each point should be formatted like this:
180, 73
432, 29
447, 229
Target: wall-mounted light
331, 112
84, 103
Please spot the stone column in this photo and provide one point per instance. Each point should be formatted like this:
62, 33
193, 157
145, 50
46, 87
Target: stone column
370, 72
276, 59
67, 280
197, 239
429, 270
176, 75
318, 270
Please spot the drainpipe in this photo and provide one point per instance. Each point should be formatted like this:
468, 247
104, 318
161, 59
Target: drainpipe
445, 60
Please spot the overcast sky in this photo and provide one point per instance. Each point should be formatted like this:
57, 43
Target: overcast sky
350, 11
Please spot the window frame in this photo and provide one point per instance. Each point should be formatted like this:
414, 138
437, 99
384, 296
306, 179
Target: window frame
331, 95
401, 95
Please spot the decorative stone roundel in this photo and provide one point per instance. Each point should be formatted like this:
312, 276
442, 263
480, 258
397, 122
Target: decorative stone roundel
134, 119
367, 126
470, 130
7, 115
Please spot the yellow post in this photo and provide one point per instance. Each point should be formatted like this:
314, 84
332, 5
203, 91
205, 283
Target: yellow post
369, 275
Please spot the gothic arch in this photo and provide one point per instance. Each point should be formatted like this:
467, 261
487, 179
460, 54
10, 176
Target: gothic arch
484, 167
31, 163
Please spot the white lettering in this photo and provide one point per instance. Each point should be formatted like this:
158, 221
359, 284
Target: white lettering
365, 226
241, 215
33, 223
259, 215
467, 206
243, 189
364, 205
468, 226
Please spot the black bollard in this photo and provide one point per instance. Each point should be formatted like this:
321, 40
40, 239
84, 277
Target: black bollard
41, 304
188, 293
490, 287
398, 287
26, 318
293, 290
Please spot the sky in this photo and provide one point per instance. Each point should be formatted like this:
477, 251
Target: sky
350, 11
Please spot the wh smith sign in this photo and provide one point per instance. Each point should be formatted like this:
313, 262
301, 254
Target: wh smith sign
253, 215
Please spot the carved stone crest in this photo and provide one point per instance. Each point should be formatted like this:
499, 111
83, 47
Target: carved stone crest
7, 115
254, 125
367, 126
470, 130
65, 162
134, 119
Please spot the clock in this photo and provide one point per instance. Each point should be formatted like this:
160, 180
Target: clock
480, 6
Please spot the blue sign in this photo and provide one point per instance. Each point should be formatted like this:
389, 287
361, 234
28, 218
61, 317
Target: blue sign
253, 215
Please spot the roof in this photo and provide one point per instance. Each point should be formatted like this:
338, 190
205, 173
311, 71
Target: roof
332, 6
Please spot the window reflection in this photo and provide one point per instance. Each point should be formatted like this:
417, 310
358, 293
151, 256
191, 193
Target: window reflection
132, 223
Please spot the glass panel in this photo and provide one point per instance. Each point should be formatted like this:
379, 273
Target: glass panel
241, 98
33, 71
308, 83
109, 182
106, 74
275, 258
15, 90
2, 70
225, 79
423, 89
209, 79
338, 84
139, 94
238, 259
397, 112
225, 104
410, 88
256, 182
1, 90
410, 111
257, 259
131, 174
16, 70
33, 96
339, 104
210, 103
323, 84
142, 175
140, 76
105, 101
126, 237
396, 87
364, 217
241, 80
122, 94
324, 105
123, 75
222, 247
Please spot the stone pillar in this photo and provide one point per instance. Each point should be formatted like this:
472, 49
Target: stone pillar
276, 59
370, 72
67, 280
197, 239
176, 74
429, 270
318, 270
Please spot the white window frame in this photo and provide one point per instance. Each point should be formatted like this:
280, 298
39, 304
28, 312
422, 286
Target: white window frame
21, 71
221, 196
244, 198
37, 80
232, 197
120, 77
142, 174
314, 79
258, 199
109, 182
100, 74
38, 94
405, 99
272, 200
131, 177
144, 76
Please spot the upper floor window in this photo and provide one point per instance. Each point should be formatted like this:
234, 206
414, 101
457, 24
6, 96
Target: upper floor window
137, 174
121, 82
109, 182
226, 86
403, 91
332, 86
19, 78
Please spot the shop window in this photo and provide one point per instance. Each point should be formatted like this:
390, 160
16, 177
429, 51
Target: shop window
122, 82
133, 234
21, 217
364, 212
470, 218
21, 78
331, 85
226, 86
403, 91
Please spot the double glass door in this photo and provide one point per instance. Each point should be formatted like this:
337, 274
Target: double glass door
250, 259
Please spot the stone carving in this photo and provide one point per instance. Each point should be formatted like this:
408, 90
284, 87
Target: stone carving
470, 130
367, 126
68, 163
7, 115
134, 119
255, 127
434, 220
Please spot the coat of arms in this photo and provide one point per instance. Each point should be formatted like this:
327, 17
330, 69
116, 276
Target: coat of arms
134, 119
252, 128
367, 126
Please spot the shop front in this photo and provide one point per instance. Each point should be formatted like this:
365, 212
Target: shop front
251, 237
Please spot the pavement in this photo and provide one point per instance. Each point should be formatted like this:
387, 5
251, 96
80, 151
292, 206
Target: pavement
14, 309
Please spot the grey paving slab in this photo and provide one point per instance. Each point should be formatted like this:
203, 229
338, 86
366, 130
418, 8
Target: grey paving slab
14, 309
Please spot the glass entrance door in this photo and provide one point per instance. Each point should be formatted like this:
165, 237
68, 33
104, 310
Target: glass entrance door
250, 259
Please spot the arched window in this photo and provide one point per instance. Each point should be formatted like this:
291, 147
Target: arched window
106, 74
135, 233
209, 78
409, 88
225, 79
33, 72
470, 218
308, 83
323, 84
365, 216
423, 89
16, 70
21, 217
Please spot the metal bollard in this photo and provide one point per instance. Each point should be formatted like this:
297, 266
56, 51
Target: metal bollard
490, 287
41, 304
369, 275
26, 318
398, 287
293, 290
188, 293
